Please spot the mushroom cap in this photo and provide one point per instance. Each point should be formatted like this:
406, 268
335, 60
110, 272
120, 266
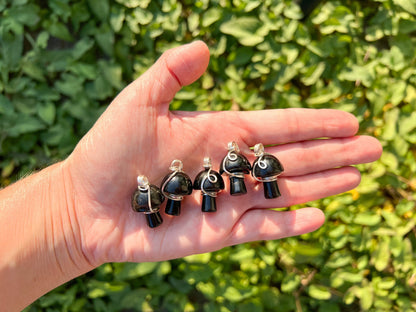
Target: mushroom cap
241, 164
179, 184
208, 185
273, 169
140, 201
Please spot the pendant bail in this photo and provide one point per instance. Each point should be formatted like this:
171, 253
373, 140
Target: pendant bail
176, 165
207, 163
259, 150
142, 182
233, 147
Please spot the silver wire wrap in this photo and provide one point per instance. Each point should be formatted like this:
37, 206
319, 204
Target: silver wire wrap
144, 186
259, 152
211, 177
176, 166
233, 149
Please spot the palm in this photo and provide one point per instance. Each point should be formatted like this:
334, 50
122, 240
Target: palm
138, 135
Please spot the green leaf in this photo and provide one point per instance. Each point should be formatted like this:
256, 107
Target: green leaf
407, 5
364, 74
198, 258
25, 124
290, 282
313, 74
243, 254
81, 47
366, 298
323, 96
367, 218
211, 16
33, 70
136, 270
70, 85
100, 8
54, 136
60, 8
117, 18
207, 289
47, 112
143, 17
232, 294
382, 254
59, 30
112, 73
394, 59
293, 11
339, 259
390, 129
248, 30
407, 123
11, 49
105, 39
131, 3
26, 15
386, 283
319, 292
390, 160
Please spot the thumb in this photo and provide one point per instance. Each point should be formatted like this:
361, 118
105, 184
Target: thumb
176, 68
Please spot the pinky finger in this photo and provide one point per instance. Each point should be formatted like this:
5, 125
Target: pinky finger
261, 224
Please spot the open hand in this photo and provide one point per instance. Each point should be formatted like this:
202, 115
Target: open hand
138, 134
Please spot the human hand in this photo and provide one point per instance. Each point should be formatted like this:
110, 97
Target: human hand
138, 134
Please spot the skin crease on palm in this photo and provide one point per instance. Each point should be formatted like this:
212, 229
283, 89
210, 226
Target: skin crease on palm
138, 134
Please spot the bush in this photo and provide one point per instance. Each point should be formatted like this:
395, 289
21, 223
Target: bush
62, 61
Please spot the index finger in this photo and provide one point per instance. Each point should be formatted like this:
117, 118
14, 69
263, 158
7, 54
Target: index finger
279, 126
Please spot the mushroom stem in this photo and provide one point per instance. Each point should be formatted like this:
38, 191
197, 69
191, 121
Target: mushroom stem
154, 219
208, 203
173, 207
237, 186
271, 189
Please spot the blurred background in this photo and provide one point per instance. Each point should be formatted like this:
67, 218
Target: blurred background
62, 62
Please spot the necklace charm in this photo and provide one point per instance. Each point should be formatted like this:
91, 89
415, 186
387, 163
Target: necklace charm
210, 183
266, 169
147, 199
175, 186
235, 165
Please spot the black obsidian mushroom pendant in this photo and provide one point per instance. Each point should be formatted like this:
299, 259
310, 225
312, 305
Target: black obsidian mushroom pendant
147, 199
235, 165
210, 183
266, 169
175, 186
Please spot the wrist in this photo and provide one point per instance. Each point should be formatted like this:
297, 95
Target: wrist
40, 240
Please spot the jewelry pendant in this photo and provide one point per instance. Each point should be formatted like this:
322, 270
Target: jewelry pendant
210, 183
147, 199
235, 165
266, 169
175, 186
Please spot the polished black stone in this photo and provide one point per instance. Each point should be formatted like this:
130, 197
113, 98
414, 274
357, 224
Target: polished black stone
271, 189
274, 167
180, 184
154, 219
237, 186
241, 164
208, 185
208, 203
173, 207
140, 201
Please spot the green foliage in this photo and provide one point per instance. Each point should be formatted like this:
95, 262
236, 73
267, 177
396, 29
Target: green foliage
62, 61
